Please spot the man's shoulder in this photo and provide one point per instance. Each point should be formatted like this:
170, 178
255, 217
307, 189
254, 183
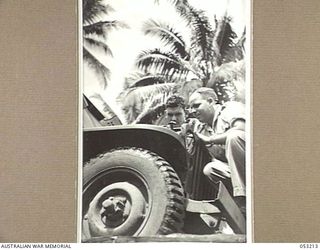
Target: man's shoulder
233, 110
234, 105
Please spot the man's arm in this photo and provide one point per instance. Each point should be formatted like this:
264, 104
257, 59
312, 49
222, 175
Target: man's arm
221, 138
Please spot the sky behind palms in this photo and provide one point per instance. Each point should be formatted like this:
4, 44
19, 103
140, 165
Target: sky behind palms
126, 44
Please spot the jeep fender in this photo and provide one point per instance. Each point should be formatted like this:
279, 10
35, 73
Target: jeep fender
159, 140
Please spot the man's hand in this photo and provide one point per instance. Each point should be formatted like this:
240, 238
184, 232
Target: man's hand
188, 127
205, 139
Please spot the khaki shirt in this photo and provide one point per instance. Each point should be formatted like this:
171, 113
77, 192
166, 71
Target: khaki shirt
226, 115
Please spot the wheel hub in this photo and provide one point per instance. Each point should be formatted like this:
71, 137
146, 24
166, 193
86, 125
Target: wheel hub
117, 209
114, 211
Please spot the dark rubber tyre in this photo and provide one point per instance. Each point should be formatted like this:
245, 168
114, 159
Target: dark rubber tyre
150, 188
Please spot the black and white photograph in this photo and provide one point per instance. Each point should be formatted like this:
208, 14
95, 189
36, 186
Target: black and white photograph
165, 121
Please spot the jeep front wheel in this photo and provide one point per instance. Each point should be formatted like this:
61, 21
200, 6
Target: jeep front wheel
131, 192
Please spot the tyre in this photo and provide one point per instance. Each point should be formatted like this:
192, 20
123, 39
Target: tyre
131, 192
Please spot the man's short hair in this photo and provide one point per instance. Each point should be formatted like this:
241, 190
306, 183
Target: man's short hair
175, 101
207, 93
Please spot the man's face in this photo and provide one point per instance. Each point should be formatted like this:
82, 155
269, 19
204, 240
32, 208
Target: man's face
201, 108
176, 115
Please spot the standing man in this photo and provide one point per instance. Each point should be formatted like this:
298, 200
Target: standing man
228, 126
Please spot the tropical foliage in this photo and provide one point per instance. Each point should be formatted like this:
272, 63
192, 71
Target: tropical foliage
95, 32
207, 57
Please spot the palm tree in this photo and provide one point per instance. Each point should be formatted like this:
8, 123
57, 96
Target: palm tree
95, 31
199, 59
208, 47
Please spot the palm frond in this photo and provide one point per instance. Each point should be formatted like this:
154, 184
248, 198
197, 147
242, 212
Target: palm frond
202, 34
141, 79
149, 91
235, 53
167, 35
95, 44
102, 72
165, 63
94, 9
203, 50
151, 115
101, 28
224, 37
154, 108
133, 101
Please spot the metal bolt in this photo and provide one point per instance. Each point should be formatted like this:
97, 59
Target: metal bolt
212, 224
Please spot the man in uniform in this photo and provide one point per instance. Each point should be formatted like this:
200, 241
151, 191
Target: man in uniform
227, 122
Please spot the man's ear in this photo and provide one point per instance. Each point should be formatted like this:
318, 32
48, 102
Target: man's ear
210, 100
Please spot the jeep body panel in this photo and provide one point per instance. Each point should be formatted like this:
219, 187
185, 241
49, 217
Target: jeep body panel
159, 140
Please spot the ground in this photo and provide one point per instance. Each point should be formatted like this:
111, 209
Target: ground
214, 238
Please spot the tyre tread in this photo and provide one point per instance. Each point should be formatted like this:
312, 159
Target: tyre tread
173, 220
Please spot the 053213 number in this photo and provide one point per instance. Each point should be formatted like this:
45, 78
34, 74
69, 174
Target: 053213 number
309, 245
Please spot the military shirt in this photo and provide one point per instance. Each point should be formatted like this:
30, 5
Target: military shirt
226, 115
